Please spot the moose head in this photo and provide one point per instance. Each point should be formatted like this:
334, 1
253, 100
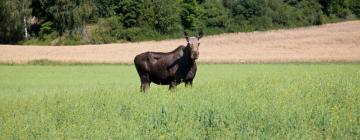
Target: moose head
194, 43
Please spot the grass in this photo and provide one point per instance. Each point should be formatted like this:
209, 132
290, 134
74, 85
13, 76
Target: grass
249, 101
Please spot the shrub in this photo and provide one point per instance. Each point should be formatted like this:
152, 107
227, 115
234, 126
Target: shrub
355, 7
107, 30
282, 14
215, 14
167, 17
340, 8
46, 29
190, 15
309, 13
261, 23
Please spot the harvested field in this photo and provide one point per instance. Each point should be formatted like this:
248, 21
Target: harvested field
326, 43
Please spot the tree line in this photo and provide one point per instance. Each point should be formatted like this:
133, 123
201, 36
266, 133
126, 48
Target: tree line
62, 22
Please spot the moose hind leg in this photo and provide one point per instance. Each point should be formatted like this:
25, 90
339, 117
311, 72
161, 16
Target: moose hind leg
172, 85
145, 83
145, 87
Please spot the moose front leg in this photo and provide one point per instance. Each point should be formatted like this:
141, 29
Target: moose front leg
188, 83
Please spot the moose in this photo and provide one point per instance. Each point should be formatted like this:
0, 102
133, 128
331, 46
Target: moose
169, 68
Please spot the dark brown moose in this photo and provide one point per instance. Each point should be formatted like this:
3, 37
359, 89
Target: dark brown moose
169, 68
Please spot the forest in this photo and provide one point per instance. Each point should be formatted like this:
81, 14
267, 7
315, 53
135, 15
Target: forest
73, 22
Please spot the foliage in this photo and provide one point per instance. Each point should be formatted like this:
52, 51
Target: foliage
248, 101
215, 14
46, 28
355, 7
107, 30
339, 8
70, 15
309, 13
105, 8
283, 15
190, 15
13, 16
166, 16
130, 11
159, 19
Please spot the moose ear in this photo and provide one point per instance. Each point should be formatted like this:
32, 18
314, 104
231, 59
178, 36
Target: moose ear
200, 35
186, 36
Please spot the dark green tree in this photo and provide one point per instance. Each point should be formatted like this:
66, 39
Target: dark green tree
41, 9
105, 8
167, 17
309, 12
355, 7
130, 11
282, 14
62, 14
340, 8
14, 20
191, 14
70, 15
81, 15
215, 14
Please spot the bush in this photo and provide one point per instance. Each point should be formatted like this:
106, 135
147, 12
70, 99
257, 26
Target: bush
282, 14
107, 30
131, 12
46, 29
74, 39
215, 14
309, 13
12, 16
355, 7
190, 15
261, 23
340, 8
167, 17
140, 34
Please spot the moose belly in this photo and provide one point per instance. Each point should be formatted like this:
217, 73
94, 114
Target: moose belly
160, 81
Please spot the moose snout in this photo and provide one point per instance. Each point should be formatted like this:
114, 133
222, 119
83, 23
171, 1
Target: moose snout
195, 55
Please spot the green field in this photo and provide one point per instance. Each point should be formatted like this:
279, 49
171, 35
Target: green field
266, 101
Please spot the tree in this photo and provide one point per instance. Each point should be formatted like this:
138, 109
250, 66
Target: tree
190, 15
130, 11
339, 8
166, 15
309, 13
282, 14
105, 8
251, 8
41, 9
62, 14
255, 12
215, 14
81, 15
355, 6
14, 17
70, 15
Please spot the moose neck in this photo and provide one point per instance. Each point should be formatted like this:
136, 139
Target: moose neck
187, 54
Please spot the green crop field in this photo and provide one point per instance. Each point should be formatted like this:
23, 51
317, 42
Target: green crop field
228, 101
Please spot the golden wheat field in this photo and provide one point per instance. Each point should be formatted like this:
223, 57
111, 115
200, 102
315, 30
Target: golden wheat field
339, 42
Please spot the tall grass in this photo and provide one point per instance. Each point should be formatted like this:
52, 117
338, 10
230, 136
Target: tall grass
279, 101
